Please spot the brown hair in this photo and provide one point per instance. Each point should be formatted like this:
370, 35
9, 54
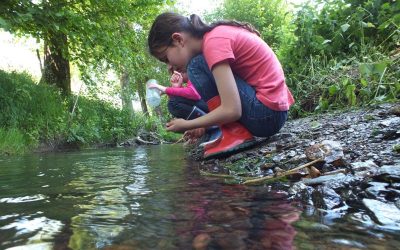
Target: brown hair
168, 23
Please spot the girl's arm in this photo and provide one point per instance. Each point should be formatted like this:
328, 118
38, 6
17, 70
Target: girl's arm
187, 92
230, 109
161, 88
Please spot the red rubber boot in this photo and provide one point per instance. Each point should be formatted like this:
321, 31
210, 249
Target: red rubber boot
235, 137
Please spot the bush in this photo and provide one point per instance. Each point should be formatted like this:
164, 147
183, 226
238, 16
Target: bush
342, 54
38, 111
12, 141
32, 114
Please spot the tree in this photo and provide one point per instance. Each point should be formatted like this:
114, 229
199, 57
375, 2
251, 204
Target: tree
270, 17
86, 32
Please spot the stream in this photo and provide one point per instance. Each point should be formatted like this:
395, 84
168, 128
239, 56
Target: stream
152, 197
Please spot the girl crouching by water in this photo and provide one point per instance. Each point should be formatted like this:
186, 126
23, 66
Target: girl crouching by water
234, 71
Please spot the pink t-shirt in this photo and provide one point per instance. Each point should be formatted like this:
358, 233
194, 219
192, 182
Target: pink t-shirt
252, 60
188, 92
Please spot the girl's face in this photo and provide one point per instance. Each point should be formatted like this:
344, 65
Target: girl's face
178, 54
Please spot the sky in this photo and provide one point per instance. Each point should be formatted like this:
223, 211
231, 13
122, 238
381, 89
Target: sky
201, 6
198, 6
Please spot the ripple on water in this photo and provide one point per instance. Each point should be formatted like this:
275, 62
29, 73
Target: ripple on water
31, 229
23, 199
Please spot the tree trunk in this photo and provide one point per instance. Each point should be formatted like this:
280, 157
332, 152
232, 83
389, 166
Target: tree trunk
142, 97
126, 92
56, 67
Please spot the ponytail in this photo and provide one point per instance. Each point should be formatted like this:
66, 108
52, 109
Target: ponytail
243, 25
166, 24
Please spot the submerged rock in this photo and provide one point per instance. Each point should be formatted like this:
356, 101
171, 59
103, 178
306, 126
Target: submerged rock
201, 241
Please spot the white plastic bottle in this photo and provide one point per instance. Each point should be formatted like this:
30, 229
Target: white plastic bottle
152, 95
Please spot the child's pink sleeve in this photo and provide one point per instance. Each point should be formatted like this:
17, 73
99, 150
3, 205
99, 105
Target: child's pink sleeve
188, 92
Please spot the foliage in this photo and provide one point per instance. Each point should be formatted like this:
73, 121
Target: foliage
12, 141
38, 111
32, 114
335, 53
344, 54
331, 29
345, 83
270, 17
95, 35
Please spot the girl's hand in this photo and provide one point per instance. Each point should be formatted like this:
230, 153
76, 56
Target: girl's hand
157, 86
177, 125
176, 78
153, 85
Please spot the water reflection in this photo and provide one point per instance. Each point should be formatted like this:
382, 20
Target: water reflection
115, 183
236, 217
152, 198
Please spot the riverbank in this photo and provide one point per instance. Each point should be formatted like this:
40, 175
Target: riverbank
359, 166
37, 118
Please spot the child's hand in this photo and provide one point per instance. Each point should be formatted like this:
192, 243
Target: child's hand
177, 125
157, 86
176, 78
153, 85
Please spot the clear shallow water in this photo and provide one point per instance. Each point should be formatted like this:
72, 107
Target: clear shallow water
152, 198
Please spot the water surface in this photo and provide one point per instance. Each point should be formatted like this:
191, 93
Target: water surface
153, 198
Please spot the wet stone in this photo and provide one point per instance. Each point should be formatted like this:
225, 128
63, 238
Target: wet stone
395, 110
387, 214
392, 194
323, 179
326, 198
297, 188
292, 153
346, 181
230, 241
391, 171
201, 241
364, 169
395, 185
376, 188
397, 204
391, 122
391, 134
221, 215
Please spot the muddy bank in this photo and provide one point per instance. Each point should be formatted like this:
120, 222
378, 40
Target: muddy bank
355, 160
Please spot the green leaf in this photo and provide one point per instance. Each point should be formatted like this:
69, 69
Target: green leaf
367, 25
370, 25
380, 67
364, 82
351, 96
345, 27
333, 89
326, 41
3, 23
366, 69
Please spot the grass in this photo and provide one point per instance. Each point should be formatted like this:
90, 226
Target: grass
12, 141
33, 114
